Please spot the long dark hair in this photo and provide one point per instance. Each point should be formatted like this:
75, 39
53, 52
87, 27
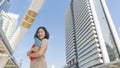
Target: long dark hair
46, 32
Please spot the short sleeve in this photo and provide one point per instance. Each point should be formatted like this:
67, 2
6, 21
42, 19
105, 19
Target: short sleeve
44, 43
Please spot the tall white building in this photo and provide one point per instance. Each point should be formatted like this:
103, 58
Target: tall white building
9, 23
91, 38
7, 60
71, 50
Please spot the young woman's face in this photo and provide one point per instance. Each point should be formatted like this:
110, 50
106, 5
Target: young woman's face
41, 34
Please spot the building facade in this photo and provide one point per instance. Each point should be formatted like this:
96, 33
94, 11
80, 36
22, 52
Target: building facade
90, 33
9, 23
71, 51
4, 5
7, 60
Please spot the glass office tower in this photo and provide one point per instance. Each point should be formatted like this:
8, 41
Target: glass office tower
95, 39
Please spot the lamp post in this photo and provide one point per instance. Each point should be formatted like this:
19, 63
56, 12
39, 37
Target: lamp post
52, 66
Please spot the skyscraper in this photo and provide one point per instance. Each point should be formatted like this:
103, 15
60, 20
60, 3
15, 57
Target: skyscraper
4, 5
90, 34
71, 51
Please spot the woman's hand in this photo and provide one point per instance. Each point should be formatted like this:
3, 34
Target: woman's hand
29, 52
35, 54
35, 49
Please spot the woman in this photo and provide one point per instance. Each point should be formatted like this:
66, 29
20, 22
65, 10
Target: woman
39, 60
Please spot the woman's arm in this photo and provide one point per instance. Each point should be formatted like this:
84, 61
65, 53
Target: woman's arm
42, 49
33, 49
29, 52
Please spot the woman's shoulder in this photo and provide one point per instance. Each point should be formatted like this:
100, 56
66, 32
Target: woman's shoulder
44, 42
45, 39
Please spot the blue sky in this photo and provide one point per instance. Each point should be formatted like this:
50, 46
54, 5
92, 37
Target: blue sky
51, 16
